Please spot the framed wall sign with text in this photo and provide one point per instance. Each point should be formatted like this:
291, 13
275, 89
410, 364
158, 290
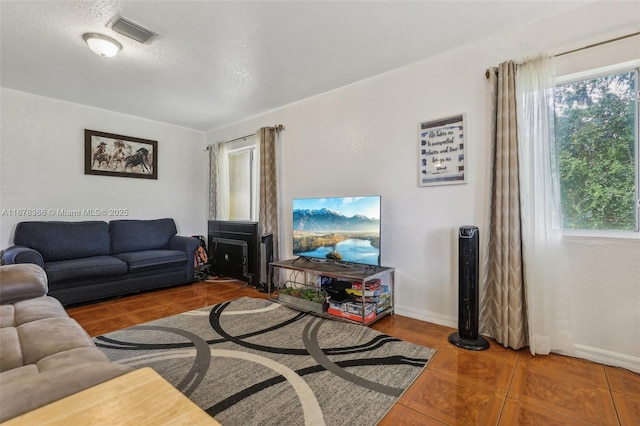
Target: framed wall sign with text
442, 159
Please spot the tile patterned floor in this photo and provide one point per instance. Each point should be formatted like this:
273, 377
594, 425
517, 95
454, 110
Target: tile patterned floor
459, 387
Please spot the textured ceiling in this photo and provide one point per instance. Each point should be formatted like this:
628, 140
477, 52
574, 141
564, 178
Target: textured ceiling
214, 62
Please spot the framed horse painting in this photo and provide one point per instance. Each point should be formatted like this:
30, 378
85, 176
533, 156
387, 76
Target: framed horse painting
108, 154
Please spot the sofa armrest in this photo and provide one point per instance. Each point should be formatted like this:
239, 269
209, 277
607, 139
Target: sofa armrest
21, 254
21, 282
186, 244
189, 245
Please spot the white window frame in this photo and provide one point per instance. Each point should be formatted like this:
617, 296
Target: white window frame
592, 74
248, 144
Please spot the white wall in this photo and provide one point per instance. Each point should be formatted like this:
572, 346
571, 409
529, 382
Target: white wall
42, 166
362, 140
358, 140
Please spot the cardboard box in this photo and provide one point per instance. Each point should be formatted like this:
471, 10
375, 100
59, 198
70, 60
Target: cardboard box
338, 306
354, 317
356, 308
369, 285
379, 299
368, 293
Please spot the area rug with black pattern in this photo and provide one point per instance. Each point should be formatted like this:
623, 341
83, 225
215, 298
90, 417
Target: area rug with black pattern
255, 362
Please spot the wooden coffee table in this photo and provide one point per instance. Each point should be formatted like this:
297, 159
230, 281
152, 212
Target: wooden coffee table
141, 397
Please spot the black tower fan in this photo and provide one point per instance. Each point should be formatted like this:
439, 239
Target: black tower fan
468, 268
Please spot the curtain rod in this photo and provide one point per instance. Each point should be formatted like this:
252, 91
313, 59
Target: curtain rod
487, 72
208, 147
241, 138
277, 128
598, 44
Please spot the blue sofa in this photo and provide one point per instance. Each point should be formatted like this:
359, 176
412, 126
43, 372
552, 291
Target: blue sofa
92, 260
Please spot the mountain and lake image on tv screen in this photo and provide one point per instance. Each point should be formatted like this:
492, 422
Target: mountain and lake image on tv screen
346, 229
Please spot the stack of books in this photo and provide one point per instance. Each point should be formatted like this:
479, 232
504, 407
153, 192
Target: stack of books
374, 299
374, 292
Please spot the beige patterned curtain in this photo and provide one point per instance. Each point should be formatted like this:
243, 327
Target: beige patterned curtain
218, 182
268, 196
503, 314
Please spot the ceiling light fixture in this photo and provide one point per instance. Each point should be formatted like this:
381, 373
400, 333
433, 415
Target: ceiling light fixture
102, 45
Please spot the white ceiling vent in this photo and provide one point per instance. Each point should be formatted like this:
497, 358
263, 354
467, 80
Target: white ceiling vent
132, 30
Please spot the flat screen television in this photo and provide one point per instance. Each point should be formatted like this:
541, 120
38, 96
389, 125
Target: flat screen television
345, 229
234, 249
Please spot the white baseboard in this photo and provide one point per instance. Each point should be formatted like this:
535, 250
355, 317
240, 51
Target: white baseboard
602, 356
426, 316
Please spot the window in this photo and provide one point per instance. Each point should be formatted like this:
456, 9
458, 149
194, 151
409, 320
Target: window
242, 183
596, 130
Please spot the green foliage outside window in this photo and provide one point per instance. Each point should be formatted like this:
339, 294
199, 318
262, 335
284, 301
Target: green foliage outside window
595, 135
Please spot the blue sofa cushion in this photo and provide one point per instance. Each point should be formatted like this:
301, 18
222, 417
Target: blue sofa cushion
136, 235
146, 260
87, 267
64, 240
